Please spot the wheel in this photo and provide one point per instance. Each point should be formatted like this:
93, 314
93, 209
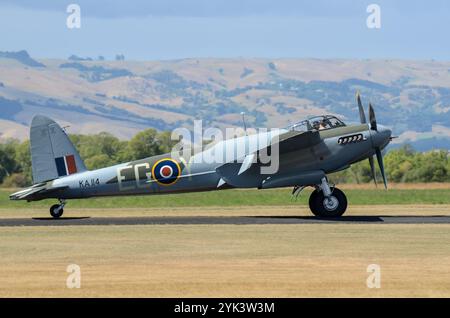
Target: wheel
56, 210
334, 206
312, 201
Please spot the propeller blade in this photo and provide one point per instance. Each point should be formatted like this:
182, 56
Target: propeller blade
372, 170
362, 115
380, 164
372, 119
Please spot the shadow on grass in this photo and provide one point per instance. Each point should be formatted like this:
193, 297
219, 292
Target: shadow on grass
360, 218
62, 218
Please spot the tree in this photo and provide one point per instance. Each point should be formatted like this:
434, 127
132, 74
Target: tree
165, 142
8, 164
104, 144
399, 163
15, 180
99, 161
144, 144
23, 158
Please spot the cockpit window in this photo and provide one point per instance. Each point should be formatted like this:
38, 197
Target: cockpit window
318, 123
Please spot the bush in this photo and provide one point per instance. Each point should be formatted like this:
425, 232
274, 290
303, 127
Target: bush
15, 180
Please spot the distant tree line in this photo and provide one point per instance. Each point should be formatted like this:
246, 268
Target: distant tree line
103, 149
98, 151
402, 165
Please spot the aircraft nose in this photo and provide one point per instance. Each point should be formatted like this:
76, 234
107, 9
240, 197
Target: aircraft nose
381, 137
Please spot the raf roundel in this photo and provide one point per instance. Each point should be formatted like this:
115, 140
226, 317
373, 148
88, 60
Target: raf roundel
166, 171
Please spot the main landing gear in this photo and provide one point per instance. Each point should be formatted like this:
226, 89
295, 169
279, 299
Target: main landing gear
57, 210
326, 201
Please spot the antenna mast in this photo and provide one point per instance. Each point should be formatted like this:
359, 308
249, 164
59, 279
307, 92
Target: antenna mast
243, 120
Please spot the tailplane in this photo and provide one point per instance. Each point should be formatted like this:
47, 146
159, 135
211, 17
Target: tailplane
52, 153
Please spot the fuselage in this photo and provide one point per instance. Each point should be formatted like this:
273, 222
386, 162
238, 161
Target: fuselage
202, 171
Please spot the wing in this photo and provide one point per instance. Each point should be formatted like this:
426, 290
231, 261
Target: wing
296, 140
247, 173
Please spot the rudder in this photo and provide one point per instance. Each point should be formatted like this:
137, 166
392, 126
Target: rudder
52, 153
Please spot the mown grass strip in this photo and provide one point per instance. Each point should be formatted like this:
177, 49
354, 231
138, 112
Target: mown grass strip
243, 198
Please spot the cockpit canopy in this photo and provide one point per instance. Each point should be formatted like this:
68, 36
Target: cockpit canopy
317, 123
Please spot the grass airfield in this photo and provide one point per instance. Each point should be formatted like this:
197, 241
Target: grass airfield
271, 260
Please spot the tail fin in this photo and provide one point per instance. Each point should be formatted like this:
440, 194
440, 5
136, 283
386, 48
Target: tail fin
52, 153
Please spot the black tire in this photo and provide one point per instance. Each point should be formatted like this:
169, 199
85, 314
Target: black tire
312, 201
56, 211
335, 208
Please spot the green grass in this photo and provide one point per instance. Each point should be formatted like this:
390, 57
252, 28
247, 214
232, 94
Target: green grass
242, 198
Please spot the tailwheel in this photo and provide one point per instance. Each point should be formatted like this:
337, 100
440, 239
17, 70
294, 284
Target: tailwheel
57, 210
333, 205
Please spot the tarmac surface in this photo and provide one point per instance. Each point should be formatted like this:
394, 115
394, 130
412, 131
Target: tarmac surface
237, 220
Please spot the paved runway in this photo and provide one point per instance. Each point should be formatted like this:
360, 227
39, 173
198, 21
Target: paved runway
238, 220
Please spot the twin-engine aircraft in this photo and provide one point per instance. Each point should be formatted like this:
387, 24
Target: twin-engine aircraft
307, 151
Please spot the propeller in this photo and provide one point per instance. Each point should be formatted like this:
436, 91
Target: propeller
372, 171
381, 165
372, 119
362, 116
373, 126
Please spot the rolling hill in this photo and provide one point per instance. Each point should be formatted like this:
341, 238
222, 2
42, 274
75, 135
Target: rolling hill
123, 97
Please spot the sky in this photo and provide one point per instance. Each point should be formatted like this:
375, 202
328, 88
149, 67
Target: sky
173, 29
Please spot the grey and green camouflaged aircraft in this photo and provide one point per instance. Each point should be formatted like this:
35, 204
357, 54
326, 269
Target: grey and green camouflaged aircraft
307, 151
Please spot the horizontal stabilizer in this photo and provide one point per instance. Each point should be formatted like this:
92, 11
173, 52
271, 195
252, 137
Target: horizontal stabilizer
35, 192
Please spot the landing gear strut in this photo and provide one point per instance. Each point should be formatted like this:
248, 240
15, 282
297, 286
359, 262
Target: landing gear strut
57, 210
326, 201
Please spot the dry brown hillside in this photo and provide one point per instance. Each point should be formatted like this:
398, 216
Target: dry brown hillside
123, 97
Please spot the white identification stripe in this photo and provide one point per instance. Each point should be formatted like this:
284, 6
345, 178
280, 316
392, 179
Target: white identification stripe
65, 164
